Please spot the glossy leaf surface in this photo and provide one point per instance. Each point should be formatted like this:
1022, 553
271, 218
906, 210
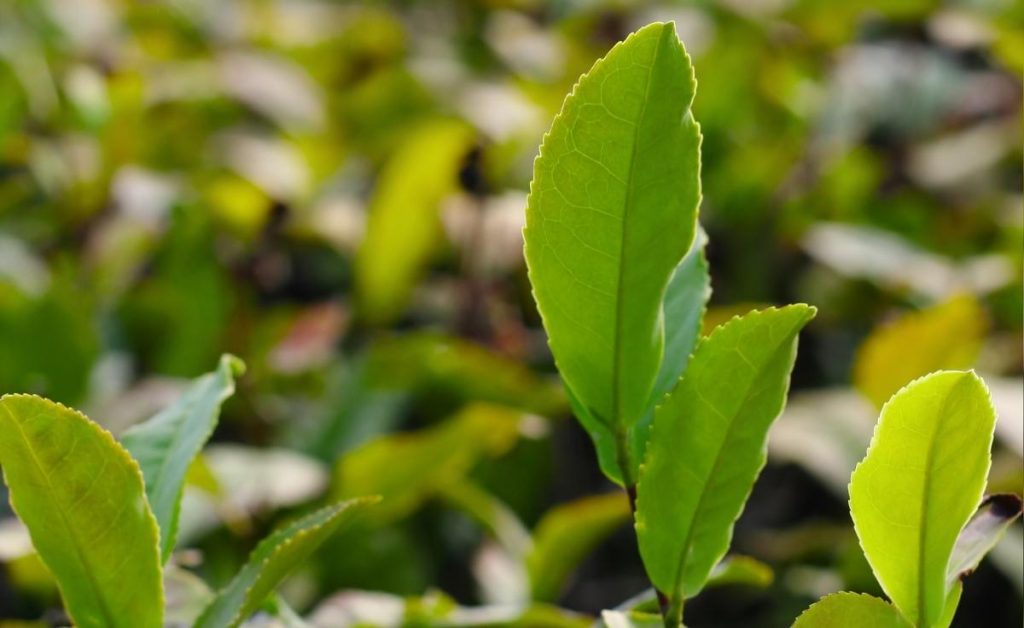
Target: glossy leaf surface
271, 562
611, 213
851, 610
920, 482
166, 445
707, 445
81, 496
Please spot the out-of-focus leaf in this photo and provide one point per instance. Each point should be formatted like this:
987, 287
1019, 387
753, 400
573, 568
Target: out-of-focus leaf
404, 226
630, 619
708, 445
272, 560
920, 482
254, 479
406, 469
166, 444
81, 496
186, 595
981, 534
565, 535
741, 570
612, 211
495, 516
851, 610
947, 336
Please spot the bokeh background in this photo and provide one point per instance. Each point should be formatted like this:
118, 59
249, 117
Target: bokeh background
335, 191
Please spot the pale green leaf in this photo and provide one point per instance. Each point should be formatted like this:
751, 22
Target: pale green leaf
981, 534
166, 444
920, 482
272, 560
612, 212
81, 496
945, 336
566, 534
851, 610
708, 445
404, 226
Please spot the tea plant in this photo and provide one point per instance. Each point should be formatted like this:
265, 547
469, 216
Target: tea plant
914, 500
615, 257
103, 515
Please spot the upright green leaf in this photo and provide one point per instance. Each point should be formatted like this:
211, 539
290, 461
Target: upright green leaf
81, 496
920, 482
612, 212
272, 560
707, 445
851, 610
166, 444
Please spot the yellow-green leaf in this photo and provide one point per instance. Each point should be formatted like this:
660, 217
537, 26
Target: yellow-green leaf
708, 444
166, 444
851, 610
946, 336
612, 211
920, 482
272, 560
81, 496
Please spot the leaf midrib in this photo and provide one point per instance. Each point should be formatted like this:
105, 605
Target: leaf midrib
714, 469
84, 563
620, 428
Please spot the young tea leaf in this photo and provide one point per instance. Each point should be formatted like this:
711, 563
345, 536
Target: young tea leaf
707, 445
612, 212
272, 560
81, 496
851, 610
981, 534
166, 444
920, 482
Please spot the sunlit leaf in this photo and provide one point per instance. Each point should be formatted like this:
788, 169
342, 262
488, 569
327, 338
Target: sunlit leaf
565, 535
851, 610
920, 482
404, 226
947, 336
166, 444
612, 212
272, 560
81, 496
708, 444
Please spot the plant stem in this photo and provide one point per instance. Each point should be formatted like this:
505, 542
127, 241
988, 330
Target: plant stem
673, 613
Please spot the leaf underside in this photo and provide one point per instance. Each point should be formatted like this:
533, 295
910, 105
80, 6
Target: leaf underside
612, 212
707, 445
166, 444
81, 496
920, 482
272, 560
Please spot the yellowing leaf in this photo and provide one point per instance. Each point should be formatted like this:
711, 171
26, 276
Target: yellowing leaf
947, 336
404, 226
612, 211
920, 482
81, 496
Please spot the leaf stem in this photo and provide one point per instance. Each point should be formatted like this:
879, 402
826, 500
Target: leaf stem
673, 611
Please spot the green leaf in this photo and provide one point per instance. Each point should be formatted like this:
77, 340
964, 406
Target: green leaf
920, 482
851, 610
272, 560
81, 496
612, 212
404, 227
166, 444
981, 534
566, 534
707, 445
945, 336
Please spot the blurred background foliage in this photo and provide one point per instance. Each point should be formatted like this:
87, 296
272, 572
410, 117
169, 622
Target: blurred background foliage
334, 191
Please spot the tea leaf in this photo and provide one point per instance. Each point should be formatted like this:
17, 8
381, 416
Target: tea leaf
920, 482
707, 445
851, 610
612, 212
166, 444
981, 534
272, 560
81, 496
